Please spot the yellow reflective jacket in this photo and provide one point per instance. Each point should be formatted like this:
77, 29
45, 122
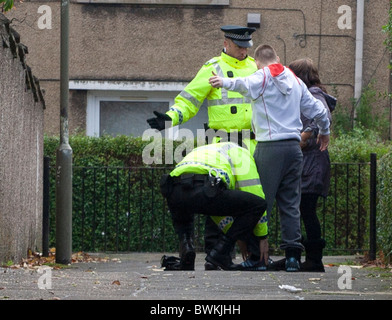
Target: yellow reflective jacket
235, 166
227, 110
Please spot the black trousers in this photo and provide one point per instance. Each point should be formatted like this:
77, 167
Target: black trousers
211, 234
185, 201
309, 216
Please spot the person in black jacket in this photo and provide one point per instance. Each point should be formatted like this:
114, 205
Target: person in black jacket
315, 179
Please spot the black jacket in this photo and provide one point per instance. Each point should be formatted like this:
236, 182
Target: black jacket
316, 164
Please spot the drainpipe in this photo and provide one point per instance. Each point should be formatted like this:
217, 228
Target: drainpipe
359, 53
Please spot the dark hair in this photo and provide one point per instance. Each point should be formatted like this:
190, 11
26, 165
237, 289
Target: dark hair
307, 72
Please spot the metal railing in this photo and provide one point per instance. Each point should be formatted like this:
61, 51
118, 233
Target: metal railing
121, 209
346, 213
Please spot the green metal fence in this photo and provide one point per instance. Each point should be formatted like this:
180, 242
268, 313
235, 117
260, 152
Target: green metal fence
122, 210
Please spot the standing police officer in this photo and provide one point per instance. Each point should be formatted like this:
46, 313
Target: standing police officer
227, 111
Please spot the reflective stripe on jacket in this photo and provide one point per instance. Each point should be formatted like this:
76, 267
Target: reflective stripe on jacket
226, 110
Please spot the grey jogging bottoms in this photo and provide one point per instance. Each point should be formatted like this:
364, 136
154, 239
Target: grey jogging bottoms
279, 164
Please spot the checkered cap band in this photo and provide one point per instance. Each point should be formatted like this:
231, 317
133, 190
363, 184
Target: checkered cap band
241, 37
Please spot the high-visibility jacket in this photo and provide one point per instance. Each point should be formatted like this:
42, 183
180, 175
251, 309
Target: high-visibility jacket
235, 166
227, 110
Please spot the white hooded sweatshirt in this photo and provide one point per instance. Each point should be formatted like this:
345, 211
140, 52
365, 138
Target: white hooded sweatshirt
278, 99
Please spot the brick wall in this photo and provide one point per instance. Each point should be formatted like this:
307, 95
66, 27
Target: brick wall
126, 41
21, 149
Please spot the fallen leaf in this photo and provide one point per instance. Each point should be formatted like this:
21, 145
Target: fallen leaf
116, 282
330, 265
35, 259
314, 279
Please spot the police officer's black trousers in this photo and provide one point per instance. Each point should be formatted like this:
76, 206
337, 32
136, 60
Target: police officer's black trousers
186, 201
211, 234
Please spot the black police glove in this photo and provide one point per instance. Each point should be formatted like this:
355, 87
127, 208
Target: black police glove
159, 121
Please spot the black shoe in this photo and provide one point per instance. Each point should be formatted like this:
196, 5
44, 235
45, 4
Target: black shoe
292, 265
252, 265
314, 254
187, 260
278, 265
220, 255
208, 266
187, 253
312, 266
293, 258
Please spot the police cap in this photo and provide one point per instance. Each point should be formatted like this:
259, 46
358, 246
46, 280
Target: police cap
241, 36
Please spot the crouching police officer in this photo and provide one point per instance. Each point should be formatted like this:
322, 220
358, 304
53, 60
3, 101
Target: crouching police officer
218, 180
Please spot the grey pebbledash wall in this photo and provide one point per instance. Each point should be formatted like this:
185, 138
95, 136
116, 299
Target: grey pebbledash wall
21, 149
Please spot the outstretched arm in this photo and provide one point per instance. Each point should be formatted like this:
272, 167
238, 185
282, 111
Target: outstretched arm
250, 86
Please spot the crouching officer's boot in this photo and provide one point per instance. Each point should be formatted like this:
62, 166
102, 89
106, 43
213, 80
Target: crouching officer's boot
220, 255
187, 253
314, 254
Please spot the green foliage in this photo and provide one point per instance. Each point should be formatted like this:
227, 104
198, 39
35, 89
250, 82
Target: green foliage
357, 145
117, 209
388, 30
341, 120
344, 213
102, 151
384, 207
369, 115
117, 204
7, 4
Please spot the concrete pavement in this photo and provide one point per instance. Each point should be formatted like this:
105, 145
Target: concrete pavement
138, 276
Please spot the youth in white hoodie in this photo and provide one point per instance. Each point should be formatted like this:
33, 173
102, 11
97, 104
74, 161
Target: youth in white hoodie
278, 99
